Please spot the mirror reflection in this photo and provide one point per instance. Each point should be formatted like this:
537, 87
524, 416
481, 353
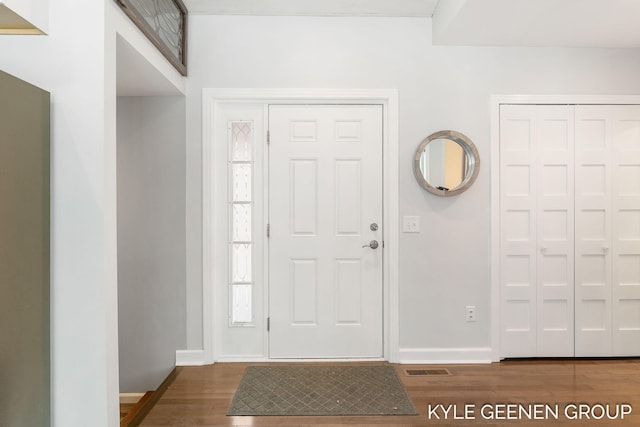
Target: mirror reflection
443, 164
446, 163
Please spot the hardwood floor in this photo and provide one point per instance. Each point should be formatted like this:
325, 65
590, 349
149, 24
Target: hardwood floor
199, 396
130, 413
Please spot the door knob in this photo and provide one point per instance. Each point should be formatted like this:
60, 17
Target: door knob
372, 244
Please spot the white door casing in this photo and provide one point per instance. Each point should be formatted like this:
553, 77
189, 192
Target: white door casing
215, 346
325, 195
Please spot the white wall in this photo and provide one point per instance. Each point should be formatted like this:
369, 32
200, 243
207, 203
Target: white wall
151, 240
70, 63
151, 255
447, 265
76, 64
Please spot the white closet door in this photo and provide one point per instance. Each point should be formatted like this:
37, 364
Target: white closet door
555, 231
560, 198
536, 203
517, 231
593, 231
625, 250
608, 230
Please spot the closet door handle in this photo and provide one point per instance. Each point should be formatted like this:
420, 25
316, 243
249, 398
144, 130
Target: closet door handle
605, 250
543, 250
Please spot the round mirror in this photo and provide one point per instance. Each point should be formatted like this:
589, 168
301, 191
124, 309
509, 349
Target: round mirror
446, 163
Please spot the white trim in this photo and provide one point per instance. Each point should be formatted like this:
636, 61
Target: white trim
496, 101
130, 398
391, 214
495, 228
445, 355
262, 359
265, 220
208, 111
565, 99
386, 97
242, 359
190, 358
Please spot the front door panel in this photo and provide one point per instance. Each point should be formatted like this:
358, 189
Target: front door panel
325, 212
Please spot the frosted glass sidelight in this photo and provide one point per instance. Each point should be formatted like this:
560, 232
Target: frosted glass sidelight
241, 182
241, 310
241, 263
241, 213
241, 141
241, 222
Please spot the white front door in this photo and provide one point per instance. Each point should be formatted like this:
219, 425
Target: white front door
325, 208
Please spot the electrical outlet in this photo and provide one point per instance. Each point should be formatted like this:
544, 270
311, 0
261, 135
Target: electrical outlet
470, 313
411, 224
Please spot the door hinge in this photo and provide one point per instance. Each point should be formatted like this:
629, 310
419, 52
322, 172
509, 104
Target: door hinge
268, 324
268, 137
268, 230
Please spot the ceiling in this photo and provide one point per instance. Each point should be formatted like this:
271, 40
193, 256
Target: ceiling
135, 76
560, 23
566, 23
313, 7
13, 23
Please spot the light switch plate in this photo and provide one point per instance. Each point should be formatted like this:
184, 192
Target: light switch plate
411, 224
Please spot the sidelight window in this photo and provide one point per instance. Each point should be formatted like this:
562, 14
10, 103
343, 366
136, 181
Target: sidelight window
241, 206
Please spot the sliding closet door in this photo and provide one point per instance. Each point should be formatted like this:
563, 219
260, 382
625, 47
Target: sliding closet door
536, 209
608, 230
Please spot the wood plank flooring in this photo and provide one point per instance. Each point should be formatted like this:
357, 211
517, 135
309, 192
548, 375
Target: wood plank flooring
199, 396
130, 413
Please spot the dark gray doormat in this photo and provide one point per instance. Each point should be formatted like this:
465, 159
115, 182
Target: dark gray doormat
321, 390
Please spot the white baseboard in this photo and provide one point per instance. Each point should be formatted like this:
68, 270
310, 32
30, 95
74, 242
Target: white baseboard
190, 358
242, 359
445, 355
474, 355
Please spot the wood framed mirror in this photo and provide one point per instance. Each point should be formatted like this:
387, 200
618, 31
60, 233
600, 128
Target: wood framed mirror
446, 163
